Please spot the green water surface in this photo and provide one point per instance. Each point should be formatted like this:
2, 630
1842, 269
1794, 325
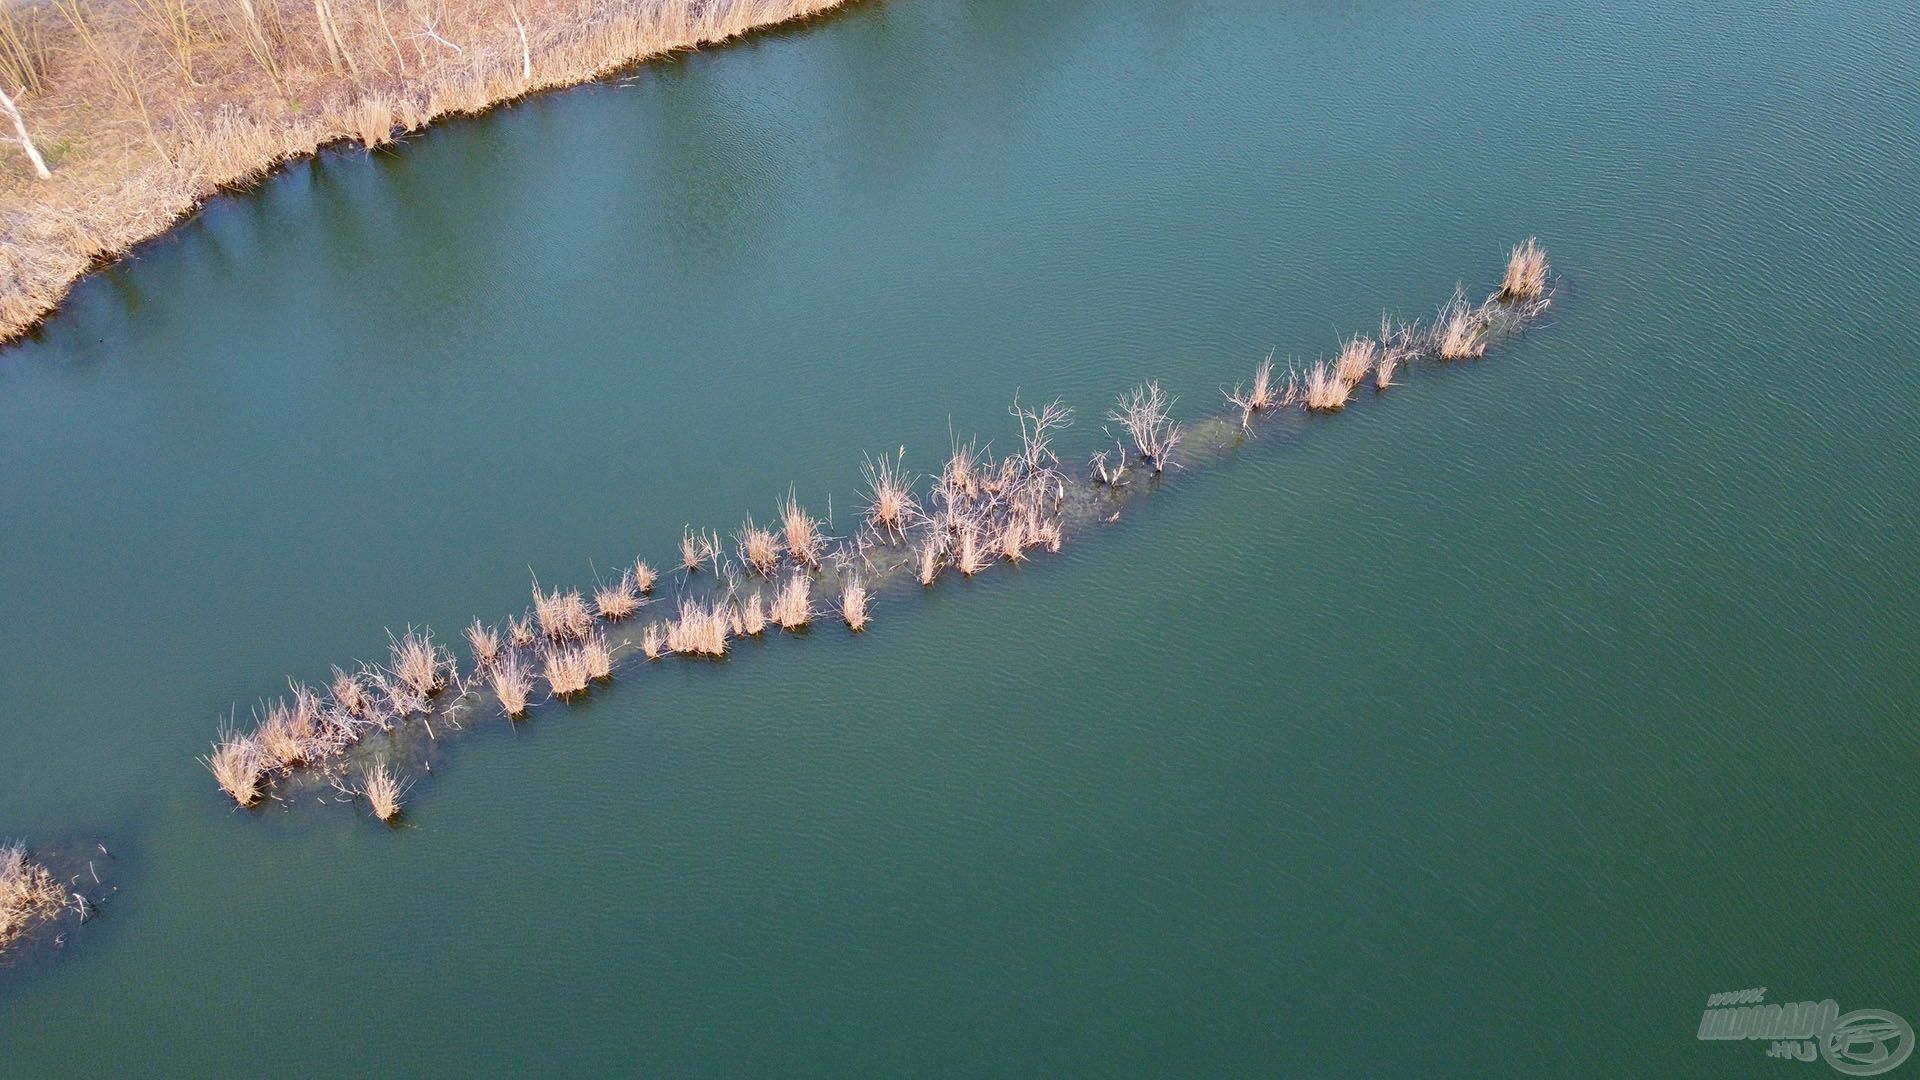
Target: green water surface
1483, 730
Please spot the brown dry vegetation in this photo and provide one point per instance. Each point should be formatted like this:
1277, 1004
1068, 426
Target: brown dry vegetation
143, 108
384, 790
27, 892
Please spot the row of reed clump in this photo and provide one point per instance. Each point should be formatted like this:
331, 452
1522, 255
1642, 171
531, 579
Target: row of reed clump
975, 512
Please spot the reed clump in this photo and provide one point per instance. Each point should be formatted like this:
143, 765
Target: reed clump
384, 791
805, 540
237, 764
792, 607
1460, 330
890, 507
1358, 355
28, 892
1526, 277
759, 548
484, 642
643, 577
700, 630
563, 616
1324, 390
853, 604
617, 601
419, 663
697, 549
512, 685
566, 670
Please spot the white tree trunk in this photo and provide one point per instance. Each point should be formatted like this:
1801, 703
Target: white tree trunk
26, 142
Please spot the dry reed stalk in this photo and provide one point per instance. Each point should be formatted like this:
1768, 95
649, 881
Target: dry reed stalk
565, 668
384, 791
931, 551
759, 549
1526, 276
563, 616
484, 640
1459, 330
1037, 428
804, 539
28, 891
653, 642
967, 556
236, 764
1143, 411
616, 601
416, 662
853, 604
696, 549
1325, 390
520, 631
1383, 371
598, 657
1357, 357
701, 629
24, 55
643, 577
792, 606
890, 505
753, 615
512, 685
1262, 396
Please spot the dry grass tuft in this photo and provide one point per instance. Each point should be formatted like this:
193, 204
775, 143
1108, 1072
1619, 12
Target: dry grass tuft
237, 765
1526, 277
1357, 357
890, 506
752, 615
643, 577
1325, 390
792, 606
27, 892
384, 791
653, 642
350, 693
1460, 330
563, 616
520, 631
418, 663
759, 548
701, 629
805, 540
512, 685
566, 670
597, 656
853, 604
285, 736
616, 601
484, 640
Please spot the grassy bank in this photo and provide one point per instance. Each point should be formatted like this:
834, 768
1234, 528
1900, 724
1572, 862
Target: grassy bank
139, 109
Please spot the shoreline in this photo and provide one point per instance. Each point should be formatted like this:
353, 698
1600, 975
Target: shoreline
123, 175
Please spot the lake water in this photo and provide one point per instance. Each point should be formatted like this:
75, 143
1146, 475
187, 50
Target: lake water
1485, 729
